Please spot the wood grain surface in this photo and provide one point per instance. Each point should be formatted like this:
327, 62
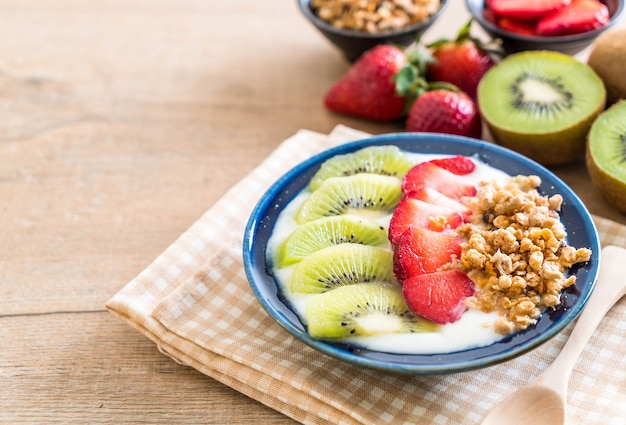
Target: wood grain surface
121, 122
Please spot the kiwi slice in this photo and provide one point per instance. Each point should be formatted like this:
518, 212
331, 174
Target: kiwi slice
606, 155
384, 160
339, 265
329, 231
343, 195
363, 309
541, 104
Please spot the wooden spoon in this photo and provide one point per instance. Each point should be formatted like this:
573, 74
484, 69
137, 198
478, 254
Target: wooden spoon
543, 401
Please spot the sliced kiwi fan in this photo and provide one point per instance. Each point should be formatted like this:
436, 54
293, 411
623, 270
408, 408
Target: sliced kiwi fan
328, 231
363, 309
339, 265
384, 160
340, 195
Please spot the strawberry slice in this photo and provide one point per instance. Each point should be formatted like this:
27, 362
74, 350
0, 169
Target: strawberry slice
433, 196
419, 214
459, 164
421, 251
526, 9
517, 26
579, 16
446, 182
438, 296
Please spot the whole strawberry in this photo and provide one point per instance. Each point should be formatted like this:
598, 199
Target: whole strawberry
461, 62
368, 89
445, 111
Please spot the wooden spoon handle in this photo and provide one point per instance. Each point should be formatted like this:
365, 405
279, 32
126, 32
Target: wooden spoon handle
610, 287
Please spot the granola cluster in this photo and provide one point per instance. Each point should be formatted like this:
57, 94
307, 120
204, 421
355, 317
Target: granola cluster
373, 16
516, 252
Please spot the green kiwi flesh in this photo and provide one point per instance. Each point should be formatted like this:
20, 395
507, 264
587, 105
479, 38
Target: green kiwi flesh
383, 160
364, 309
341, 195
606, 155
541, 104
343, 264
328, 231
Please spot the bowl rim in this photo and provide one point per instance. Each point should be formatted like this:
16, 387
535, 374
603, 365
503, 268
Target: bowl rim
556, 39
404, 31
505, 349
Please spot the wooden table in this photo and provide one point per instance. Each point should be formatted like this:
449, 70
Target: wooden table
121, 122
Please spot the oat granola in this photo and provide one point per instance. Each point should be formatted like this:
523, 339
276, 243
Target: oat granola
516, 251
373, 16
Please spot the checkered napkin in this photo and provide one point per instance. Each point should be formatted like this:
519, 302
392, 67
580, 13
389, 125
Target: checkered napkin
194, 302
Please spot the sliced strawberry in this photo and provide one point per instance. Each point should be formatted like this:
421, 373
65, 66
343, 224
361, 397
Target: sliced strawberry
421, 251
433, 196
367, 89
427, 174
579, 16
459, 164
419, 214
489, 15
438, 296
526, 9
517, 26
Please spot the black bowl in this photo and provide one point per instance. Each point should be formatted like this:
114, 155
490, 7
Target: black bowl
574, 215
353, 43
569, 44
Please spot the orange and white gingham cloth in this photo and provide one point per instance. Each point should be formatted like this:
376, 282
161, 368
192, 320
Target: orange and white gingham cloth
194, 302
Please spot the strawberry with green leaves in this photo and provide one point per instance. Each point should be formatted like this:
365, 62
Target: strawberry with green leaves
461, 62
368, 90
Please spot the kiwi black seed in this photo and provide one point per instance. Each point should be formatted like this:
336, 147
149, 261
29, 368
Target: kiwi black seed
363, 309
606, 155
341, 195
541, 104
343, 264
328, 231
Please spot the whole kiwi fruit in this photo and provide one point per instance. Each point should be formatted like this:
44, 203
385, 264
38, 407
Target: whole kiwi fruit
606, 58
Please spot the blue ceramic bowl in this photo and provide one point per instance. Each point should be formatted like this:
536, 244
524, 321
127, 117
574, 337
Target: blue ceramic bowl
354, 43
569, 44
578, 222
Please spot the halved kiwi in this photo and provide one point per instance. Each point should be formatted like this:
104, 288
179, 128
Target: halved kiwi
363, 309
339, 265
606, 155
328, 231
384, 160
541, 104
342, 195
